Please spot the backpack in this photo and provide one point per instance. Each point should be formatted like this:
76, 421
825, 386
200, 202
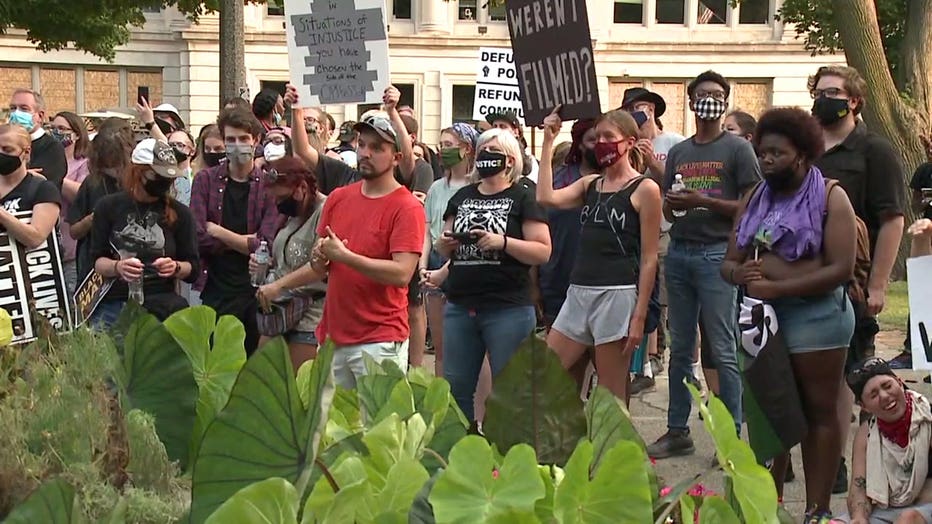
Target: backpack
857, 287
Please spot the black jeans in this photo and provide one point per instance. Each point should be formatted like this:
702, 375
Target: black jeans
242, 306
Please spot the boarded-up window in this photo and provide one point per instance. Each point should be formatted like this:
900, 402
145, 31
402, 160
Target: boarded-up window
11, 79
674, 94
152, 80
616, 92
58, 87
101, 90
753, 97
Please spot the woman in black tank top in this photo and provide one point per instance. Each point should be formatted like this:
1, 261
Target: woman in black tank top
614, 272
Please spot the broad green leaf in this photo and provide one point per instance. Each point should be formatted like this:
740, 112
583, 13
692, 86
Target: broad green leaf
264, 431
400, 401
752, 484
303, 378
352, 498
272, 500
374, 392
385, 443
215, 368
421, 511
405, 479
50, 503
449, 428
346, 402
470, 490
715, 510
619, 492
544, 506
687, 510
534, 401
159, 379
131, 313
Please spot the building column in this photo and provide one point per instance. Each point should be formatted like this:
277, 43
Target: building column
433, 16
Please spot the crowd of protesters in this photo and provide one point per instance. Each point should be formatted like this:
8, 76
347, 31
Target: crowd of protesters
634, 246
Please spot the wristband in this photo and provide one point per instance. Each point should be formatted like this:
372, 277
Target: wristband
505, 244
177, 269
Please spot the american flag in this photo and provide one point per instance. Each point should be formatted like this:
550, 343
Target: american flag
705, 14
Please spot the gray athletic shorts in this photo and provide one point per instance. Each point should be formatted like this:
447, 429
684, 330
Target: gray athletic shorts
889, 515
596, 315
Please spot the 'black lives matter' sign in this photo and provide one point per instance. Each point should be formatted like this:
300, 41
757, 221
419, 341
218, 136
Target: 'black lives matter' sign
32, 285
553, 58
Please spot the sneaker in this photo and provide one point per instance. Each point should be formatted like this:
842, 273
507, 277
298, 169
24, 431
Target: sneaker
841, 479
902, 361
641, 384
818, 517
656, 364
674, 443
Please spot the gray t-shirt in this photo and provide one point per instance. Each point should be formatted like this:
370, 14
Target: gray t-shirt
724, 168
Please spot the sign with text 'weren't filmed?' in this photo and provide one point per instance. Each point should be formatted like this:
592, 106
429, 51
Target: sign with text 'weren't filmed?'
337, 50
553, 58
497, 88
32, 285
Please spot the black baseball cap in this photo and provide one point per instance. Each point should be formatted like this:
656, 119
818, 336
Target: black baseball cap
865, 370
639, 94
505, 116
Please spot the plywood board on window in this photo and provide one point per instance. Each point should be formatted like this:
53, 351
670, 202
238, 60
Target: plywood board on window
674, 94
101, 90
753, 97
59, 89
151, 79
11, 79
616, 91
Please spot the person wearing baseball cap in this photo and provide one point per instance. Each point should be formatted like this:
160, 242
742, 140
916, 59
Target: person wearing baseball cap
890, 453
142, 233
508, 120
167, 118
347, 147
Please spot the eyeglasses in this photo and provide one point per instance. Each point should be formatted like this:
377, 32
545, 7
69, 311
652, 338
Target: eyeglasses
831, 92
62, 129
718, 95
181, 146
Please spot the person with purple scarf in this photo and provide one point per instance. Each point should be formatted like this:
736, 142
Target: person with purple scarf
794, 247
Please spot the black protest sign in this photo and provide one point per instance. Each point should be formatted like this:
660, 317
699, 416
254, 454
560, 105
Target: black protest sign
553, 58
89, 295
32, 285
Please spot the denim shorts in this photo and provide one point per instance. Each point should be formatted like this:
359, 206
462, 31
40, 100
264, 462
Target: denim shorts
435, 261
816, 323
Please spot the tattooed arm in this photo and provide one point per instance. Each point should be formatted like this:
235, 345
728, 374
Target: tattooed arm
859, 506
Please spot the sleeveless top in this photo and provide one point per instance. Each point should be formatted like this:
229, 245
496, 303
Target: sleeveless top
610, 238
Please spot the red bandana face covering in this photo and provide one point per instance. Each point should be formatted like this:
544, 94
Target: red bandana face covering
898, 432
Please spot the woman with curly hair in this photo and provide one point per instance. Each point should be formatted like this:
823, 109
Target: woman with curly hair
794, 247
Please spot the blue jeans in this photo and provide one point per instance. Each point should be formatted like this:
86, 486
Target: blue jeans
468, 334
694, 287
106, 314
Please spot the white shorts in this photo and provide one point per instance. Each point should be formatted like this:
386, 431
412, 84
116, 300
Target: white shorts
349, 365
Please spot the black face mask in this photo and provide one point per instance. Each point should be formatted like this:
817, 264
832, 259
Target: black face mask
159, 186
829, 110
9, 164
490, 163
180, 156
213, 159
782, 179
288, 207
590, 158
166, 126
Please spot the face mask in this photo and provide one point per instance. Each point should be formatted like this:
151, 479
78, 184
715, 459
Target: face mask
240, 153
273, 152
213, 159
590, 158
710, 108
64, 139
166, 127
781, 179
606, 154
22, 118
450, 156
159, 186
830, 110
180, 156
9, 164
288, 207
490, 163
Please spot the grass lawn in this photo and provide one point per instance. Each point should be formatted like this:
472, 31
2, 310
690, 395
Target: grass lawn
896, 309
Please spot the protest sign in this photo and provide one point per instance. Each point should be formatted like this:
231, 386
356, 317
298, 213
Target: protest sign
553, 58
89, 295
920, 311
337, 50
497, 89
32, 285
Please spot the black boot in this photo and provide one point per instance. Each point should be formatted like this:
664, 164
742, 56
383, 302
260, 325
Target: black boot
841, 479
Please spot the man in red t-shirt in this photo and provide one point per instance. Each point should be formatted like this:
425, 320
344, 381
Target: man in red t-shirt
372, 233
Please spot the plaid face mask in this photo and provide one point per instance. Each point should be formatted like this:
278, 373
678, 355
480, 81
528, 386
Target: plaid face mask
710, 108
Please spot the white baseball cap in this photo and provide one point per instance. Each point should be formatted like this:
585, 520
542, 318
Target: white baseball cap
159, 155
168, 108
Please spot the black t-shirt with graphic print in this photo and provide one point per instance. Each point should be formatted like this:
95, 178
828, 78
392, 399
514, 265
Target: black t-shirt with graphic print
483, 279
140, 228
30, 191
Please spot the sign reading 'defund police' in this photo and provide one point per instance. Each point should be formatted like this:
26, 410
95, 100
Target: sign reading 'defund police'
553, 58
497, 88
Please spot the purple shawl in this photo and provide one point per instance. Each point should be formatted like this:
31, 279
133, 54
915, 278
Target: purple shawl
790, 227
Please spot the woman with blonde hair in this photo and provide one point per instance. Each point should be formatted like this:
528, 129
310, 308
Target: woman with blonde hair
614, 273
21, 191
493, 232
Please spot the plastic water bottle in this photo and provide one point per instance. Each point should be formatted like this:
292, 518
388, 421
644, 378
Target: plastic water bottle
135, 287
678, 186
263, 259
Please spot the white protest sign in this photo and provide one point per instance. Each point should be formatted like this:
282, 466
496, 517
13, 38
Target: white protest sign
920, 311
337, 50
497, 87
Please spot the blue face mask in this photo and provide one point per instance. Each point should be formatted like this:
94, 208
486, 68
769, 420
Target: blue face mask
22, 118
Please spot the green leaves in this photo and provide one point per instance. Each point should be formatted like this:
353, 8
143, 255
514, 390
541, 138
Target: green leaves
264, 431
272, 500
215, 369
51, 503
474, 488
158, 379
534, 401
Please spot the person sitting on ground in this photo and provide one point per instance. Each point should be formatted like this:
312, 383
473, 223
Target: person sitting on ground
890, 455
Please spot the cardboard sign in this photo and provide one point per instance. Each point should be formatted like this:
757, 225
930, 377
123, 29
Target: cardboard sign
920, 311
553, 58
497, 87
89, 295
337, 50
32, 285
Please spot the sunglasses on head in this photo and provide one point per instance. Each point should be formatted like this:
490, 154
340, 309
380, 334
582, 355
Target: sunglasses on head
867, 368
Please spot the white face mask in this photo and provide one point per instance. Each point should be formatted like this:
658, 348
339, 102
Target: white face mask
273, 152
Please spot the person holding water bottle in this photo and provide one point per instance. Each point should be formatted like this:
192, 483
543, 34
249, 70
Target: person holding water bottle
144, 238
